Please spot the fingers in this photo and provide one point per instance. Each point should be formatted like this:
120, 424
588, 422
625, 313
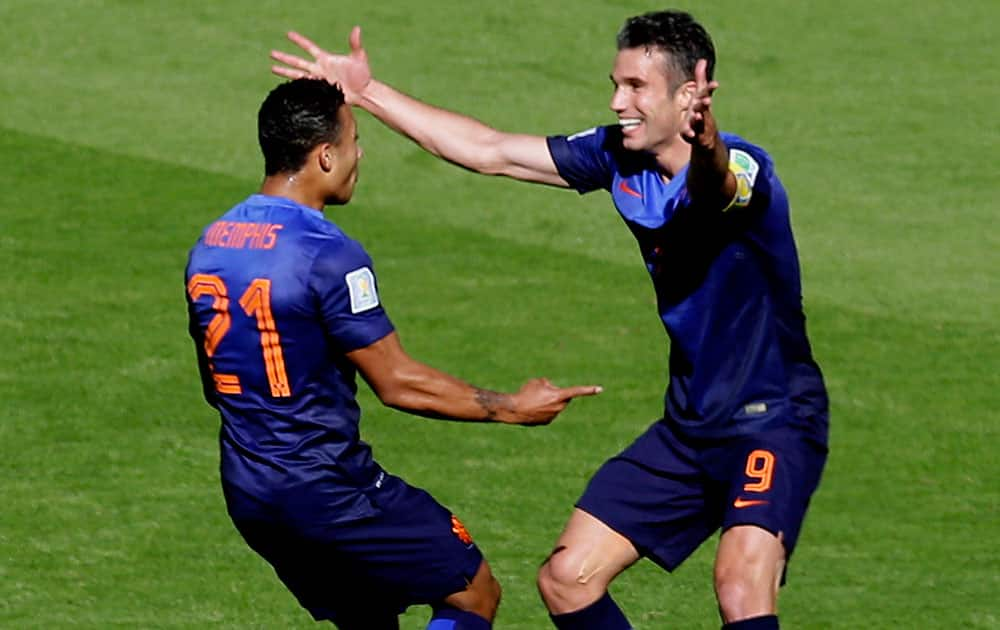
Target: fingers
701, 73
289, 73
294, 68
703, 87
355, 39
291, 60
569, 393
305, 43
564, 393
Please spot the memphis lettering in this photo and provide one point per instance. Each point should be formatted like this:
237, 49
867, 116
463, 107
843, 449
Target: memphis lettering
240, 235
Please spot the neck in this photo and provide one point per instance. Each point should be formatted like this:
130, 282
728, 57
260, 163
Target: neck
292, 186
673, 157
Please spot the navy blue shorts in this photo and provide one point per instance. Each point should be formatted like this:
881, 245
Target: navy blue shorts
667, 493
413, 552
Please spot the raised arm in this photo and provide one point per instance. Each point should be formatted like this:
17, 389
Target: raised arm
455, 137
709, 179
402, 382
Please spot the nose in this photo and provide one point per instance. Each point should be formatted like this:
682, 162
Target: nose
361, 152
618, 101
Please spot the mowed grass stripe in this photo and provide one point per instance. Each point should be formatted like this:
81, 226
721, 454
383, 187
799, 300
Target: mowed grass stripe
880, 128
113, 492
106, 456
852, 113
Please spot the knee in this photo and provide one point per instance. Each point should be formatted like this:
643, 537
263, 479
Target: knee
742, 595
482, 597
748, 570
732, 591
485, 597
493, 592
563, 585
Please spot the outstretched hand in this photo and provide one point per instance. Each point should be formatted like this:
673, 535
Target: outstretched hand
699, 124
539, 401
350, 72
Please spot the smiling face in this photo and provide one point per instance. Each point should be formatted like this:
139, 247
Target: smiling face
648, 110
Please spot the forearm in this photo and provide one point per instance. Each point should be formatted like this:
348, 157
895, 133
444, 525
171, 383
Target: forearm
457, 138
426, 391
709, 179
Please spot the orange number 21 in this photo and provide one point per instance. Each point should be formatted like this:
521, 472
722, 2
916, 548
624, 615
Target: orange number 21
256, 302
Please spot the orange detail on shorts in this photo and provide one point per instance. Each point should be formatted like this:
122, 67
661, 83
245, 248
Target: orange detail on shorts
760, 466
256, 301
740, 503
459, 530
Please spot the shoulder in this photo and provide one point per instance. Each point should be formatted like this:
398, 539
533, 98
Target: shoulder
591, 158
337, 254
739, 146
756, 182
606, 139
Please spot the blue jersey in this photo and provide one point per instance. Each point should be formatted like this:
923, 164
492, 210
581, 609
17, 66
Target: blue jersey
727, 286
277, 295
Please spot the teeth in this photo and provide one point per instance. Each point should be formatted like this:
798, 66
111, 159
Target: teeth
629, 122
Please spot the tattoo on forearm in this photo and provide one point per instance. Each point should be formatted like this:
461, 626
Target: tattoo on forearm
491, 402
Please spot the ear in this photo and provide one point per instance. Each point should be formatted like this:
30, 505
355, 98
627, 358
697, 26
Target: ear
324, 154
687, 91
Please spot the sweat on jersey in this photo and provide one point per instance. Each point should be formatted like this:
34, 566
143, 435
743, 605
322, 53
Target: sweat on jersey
277, 295
727, 286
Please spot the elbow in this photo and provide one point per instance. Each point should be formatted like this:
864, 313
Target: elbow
485, 155
480, 163
399, 391
390, 395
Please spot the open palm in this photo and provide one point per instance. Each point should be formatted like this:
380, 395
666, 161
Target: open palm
698, 121
351, 72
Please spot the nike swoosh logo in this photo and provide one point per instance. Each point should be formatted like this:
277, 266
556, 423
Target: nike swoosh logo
740, 502
623, 185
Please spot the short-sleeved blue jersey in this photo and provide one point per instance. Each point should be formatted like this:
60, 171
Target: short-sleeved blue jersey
727, 286
277, 295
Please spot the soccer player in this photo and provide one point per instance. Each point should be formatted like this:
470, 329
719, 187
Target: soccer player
743, 438
284, 310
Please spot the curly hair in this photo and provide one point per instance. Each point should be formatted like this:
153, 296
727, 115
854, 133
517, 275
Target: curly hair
677, 35
294, 118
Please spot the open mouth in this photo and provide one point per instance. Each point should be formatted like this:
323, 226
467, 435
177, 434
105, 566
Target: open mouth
629, 123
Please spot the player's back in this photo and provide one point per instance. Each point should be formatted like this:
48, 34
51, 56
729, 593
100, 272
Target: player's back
265, 292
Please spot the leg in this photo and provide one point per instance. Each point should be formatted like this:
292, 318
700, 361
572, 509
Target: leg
650, 497
772, 477
748, 569
480, 598
587, 557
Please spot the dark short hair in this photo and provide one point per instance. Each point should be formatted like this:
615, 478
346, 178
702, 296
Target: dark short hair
677, 35
294, 118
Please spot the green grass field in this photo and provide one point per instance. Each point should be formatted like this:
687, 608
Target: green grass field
126, 126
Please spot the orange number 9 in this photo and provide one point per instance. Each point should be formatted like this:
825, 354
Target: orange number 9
760, 466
